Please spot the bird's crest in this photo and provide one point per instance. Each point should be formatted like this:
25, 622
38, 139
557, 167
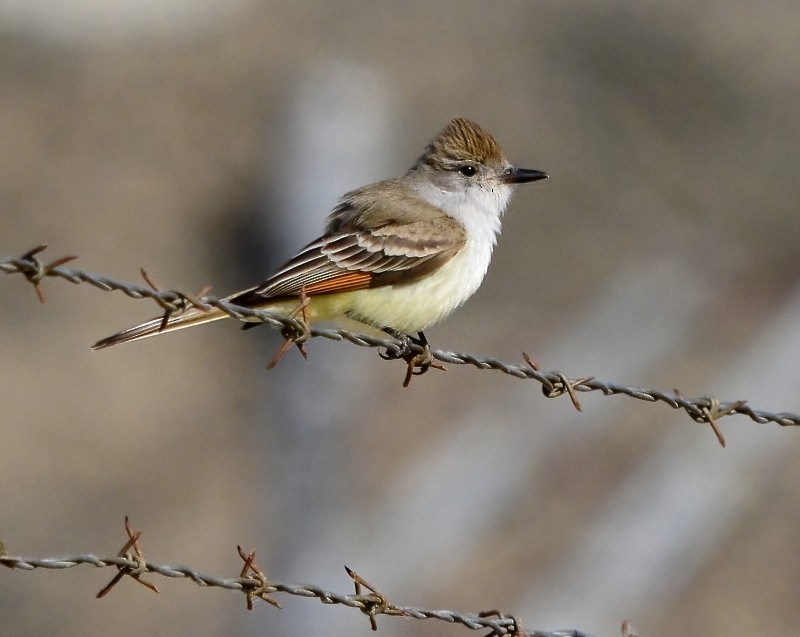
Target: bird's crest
463, 140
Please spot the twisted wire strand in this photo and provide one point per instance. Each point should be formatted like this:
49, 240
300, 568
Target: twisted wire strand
370, 604
704, 409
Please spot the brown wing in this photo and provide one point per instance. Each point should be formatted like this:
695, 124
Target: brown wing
388, 255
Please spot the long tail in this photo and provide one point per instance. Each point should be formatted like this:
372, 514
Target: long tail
153, 327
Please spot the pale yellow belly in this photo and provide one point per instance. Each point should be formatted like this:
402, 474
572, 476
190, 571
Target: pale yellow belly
407, 308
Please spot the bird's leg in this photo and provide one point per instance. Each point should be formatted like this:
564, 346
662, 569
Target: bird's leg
418, 362
296, 336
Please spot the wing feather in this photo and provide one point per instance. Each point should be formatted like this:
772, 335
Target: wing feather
374, 238
362, 259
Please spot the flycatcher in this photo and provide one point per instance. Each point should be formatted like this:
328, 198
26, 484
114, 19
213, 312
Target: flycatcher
398, 255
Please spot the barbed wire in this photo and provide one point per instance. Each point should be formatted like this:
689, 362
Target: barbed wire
704, 409
254, 584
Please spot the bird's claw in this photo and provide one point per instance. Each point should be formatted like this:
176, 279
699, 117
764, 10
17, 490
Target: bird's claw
408, 350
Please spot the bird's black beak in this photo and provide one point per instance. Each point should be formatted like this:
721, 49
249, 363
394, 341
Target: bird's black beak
514, 175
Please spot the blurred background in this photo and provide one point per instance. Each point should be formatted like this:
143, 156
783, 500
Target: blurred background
207, 141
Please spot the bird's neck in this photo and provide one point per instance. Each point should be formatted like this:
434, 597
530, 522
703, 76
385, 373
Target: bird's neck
478, 209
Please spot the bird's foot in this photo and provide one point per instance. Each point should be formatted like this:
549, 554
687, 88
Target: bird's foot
418, 361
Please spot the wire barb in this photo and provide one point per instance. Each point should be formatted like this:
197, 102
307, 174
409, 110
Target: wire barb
251, 572
137, 558
702, 410
715, 411
295, 335
562, 385
32, 268
379, 604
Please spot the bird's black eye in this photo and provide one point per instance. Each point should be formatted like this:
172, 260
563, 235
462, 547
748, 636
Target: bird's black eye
468, 170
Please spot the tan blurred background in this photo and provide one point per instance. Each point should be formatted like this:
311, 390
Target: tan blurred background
207, 143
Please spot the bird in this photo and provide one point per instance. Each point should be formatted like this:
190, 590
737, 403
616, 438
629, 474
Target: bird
398, 255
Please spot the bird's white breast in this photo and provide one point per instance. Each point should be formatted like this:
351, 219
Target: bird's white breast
413, 307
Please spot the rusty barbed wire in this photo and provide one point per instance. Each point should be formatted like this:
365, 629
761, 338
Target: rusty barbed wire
255, 585
704, 409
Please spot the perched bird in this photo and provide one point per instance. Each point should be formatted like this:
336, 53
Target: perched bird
398, 255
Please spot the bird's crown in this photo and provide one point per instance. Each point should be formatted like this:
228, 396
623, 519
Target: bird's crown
460, 141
